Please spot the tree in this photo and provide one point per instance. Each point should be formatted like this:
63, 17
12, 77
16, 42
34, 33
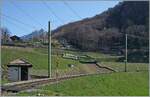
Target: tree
15, 38
5, 35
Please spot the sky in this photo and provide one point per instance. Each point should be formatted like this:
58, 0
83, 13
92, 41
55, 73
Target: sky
22, 17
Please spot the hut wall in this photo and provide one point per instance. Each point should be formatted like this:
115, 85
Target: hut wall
29, 72
14, 73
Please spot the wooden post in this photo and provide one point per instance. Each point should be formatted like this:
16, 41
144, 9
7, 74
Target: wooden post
57, 74
126, 53
49, 51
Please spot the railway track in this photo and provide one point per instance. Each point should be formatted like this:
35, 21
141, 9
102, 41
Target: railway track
24, 85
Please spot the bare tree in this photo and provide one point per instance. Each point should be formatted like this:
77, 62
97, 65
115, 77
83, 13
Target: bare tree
5, 35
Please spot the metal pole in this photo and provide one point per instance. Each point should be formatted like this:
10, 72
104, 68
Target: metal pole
126, 53
49, 50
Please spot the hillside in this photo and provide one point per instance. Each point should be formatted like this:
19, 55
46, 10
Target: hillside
116, 84
37, 34
106, 30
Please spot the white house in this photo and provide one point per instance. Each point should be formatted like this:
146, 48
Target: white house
19, 70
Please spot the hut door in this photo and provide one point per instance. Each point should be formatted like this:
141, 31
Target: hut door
24, 73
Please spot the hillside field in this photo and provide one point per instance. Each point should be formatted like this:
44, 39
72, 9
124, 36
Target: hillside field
116, 84
134, 82
39, 58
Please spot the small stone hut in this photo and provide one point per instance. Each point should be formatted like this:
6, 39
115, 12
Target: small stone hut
19, 70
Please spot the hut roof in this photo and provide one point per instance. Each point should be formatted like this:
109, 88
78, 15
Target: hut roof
19, 63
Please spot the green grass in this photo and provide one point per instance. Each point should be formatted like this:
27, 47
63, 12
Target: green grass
41, 50
120, 66
98, 56
102, 57
36, 57
63, 62
116, 84
86, 59
120, 84
38, 60
4, 80
37, 93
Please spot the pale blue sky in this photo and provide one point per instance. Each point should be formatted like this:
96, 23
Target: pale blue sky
35, 14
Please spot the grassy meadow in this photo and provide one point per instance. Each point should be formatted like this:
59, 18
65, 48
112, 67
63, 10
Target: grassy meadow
116, 84
134, 82
37, 57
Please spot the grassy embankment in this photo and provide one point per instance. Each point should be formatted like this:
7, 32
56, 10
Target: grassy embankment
130, 83
116, 84
39, 59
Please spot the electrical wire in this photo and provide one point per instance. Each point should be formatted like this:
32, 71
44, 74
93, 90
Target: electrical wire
17, 26
25, 13
49, 8
72, 10
16, 20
